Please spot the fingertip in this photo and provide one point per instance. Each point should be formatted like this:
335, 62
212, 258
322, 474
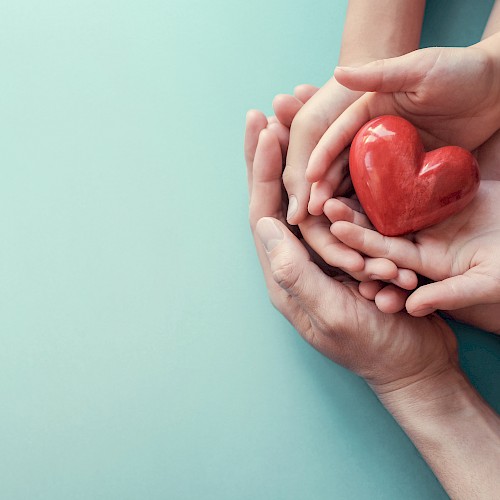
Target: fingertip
304, 91
340, 228
369, 289
321, 192
420, 313
417, 305
253, 115
278, 97
264, 136
314, 208
406, 279
390, 299
278, 100
312, 174
297, 210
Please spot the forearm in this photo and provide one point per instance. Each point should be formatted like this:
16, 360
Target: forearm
493, 24
454, 429
490, 48
382, 29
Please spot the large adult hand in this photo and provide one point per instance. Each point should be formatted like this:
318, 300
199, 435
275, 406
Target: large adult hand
410, 363
452, 95
389, 351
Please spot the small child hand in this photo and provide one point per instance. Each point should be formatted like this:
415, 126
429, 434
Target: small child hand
460, 253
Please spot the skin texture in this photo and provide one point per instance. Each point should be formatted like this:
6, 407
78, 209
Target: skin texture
411, 363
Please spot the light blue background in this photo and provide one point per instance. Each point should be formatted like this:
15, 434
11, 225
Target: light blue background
140, 357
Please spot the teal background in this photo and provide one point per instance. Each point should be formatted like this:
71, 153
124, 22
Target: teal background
140, 357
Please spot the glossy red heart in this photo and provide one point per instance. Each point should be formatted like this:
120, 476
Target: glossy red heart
401, 187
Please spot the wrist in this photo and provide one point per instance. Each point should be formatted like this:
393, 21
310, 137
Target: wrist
388, 28
490, 52
454, 429
437, 396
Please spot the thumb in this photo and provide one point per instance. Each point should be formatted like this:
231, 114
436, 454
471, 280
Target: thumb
292, 268
397, 74
453, 293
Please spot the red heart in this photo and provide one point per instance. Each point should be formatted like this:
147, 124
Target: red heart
401, 187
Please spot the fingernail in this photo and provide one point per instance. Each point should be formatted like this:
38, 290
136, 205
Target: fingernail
269, 233
293, 205
375, 277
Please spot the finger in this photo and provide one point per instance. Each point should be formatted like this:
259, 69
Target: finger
369, 289
283, 135
391, 299
337, 138
406, 279
304, 92
340, 209
316, 231
324, 189
286, 107
397, 74
401, 251
457, 292
378, 269
266, 200
341, 132
304, 135
294, 272
307, 128
266, 195
255, 122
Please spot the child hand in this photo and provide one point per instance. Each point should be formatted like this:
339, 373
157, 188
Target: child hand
452, 95
309, 120
460, 253
328, 252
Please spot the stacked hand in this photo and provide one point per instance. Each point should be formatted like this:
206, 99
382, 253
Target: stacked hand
460, 253
358, 319
452, 95
391, 351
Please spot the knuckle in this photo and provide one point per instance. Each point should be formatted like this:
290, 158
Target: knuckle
387, 247
309, 122
285, 273
289, 176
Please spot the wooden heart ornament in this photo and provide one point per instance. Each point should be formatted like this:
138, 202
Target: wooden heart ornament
401, 187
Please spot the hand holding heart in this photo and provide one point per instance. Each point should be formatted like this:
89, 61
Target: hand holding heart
452, 96
401, 187
460, 253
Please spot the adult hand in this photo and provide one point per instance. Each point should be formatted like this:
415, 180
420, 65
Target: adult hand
410, 363
389, 351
